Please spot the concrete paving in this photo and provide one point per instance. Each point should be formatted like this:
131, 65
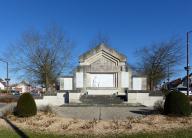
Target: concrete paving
102, 112
2, 105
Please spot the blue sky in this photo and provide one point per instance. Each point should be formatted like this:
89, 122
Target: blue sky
129, 24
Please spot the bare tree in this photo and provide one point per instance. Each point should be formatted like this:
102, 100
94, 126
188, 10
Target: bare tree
99, 39
158, 61
41, 57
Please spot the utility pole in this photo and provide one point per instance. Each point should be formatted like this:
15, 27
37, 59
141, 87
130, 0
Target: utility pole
6, 79
187, 68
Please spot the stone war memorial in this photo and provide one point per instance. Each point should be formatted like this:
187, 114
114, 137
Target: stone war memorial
103, 76
103, 71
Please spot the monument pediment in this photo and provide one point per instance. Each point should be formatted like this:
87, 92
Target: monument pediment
103, 64
102, 61
102, 50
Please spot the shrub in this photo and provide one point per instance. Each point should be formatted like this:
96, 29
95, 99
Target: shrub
8, 99
26, 106
177, 103
190, 98
3, 91
165, 91
159, 106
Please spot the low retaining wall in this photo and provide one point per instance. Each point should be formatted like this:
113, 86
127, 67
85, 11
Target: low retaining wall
143, 98
49, 100
134, 97
58, 100
74, 97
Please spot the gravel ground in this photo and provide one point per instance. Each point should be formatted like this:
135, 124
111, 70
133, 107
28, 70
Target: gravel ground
99, 120
50, 123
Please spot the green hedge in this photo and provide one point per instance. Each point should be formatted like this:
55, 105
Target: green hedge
177, 103
3, 91
26, 106
165, 91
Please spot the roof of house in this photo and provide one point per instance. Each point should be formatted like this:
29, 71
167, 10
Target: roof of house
184, 78
102, 47
25, 83
3, 82
22, 82
176, 82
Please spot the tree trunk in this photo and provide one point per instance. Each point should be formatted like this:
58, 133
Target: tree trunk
47, 83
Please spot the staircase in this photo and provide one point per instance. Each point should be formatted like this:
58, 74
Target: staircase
101, 99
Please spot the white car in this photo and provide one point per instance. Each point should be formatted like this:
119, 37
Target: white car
184, 90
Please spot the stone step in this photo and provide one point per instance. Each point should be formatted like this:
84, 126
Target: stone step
101, 99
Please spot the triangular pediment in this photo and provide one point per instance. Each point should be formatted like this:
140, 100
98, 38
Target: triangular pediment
103, 64
103, 61
102, 50
101, 56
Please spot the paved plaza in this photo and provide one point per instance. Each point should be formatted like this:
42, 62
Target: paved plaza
102, 112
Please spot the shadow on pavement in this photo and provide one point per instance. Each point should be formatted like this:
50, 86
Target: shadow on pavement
16, 129
144, 112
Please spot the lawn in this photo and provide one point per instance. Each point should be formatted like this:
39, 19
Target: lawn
187, 133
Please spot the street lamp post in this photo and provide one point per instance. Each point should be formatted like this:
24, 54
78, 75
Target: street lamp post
187, 68
6, 79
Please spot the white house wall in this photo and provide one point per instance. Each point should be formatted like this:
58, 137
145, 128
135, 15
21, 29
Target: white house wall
23, 88
2, 87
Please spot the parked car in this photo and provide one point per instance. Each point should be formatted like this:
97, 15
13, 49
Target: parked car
15, 93
184, 90
35, 95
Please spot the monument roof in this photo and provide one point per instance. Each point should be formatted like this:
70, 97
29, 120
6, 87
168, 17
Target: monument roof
105, 48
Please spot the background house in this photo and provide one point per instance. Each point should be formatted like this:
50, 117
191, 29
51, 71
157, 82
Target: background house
179, 83
22, 87
2, 84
